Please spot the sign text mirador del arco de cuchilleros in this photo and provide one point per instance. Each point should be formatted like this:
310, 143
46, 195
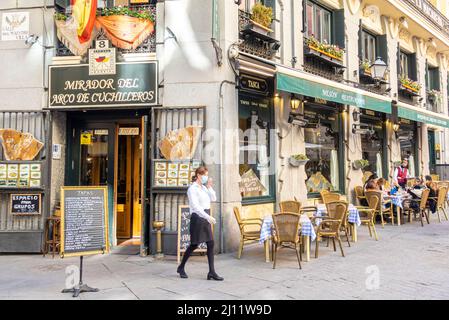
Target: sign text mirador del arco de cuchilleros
133, 84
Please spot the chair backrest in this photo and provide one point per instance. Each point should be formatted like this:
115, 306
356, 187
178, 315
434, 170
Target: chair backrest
358, 191
330, 197
370, 195
323, 192
286, 225
237, 215
373, 201
443, 184
337, 210
442, 195
290, 206
424, 197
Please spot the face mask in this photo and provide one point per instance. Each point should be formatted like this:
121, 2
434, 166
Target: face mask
204, 179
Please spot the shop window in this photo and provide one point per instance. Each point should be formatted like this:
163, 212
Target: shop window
368, 47
256, 148
323, 149
408, 140
407, 65
373, 145
318, 22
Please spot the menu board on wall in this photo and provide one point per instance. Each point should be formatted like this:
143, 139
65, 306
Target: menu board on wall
84, 221
25, 204
20, 175
169, 174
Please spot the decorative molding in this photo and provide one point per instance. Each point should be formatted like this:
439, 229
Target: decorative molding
372, 13
391, 26
353, 5
431, 52
442, 60
405, 36
420, 46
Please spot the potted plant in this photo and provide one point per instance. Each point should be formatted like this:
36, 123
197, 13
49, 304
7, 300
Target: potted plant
365, 67
410, 85
297, 160
360, 164
261, 18
331, 51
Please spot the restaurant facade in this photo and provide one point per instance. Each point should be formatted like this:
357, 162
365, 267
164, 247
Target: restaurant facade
275, 113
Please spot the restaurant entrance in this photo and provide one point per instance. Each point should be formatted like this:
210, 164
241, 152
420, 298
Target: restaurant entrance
112, 153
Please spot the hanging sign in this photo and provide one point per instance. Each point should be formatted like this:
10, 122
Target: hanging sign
128, 131
15, 26
25, 204
84, 221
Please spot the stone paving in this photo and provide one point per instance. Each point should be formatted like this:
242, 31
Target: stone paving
408, 262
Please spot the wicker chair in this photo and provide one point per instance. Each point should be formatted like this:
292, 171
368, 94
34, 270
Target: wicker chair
381, 206
247, 235
368, 215
330, 226
286, 234
331, 213
422, 207
331, 197
290, 206
440, 199
359, 194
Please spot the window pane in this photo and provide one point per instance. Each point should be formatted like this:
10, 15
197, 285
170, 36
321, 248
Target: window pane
326, 31
318, 22
309, 17
372, 46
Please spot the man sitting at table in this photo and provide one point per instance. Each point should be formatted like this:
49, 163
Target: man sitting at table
417, 191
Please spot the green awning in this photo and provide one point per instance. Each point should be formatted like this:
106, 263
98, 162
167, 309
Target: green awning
351, 96
422, 117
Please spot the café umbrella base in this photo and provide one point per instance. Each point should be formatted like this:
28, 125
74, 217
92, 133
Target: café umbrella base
80, 287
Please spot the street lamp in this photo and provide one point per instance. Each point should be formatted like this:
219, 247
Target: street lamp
294, 102
378, 68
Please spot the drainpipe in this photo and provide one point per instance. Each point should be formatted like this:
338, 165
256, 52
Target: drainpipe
293, 32
221, 162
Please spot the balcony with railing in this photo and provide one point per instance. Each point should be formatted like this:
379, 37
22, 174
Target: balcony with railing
428, 11
256, 39
408, 91
142, 29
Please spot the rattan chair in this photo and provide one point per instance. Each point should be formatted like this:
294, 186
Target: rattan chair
330, 209
440, 199
290, 206
286, 234
330, 226
360, 195
247, 235
330, 197
368, 214
422, 211
381, 209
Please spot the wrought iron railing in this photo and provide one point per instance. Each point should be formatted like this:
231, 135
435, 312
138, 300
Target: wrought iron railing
430, 13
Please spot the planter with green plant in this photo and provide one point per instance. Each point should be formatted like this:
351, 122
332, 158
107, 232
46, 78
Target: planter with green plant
328, 52
360, 164
409, 85
365, 68
297, 160
261, 18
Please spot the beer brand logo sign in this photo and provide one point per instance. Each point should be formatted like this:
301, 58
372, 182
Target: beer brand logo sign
102, 59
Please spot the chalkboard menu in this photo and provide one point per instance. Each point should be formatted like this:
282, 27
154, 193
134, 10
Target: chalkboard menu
84, 221
184, 231
25, 204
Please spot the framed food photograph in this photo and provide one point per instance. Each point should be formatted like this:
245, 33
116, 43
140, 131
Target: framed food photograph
184, 167
160, 166
35, 167
161, 174
13, 174
35, 175
183, 175
172, 174
183, 182
11, 182
172, 166
13, 167
24, 182
172, 182
35, 183
3, 167
24, 168
160, 182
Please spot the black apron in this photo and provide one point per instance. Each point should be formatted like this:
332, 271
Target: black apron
200, 229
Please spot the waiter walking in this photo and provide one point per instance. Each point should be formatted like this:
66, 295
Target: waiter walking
401, 174
200, 194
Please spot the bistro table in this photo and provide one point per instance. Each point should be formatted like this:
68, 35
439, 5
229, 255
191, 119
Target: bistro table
398, 200
307, 232
353, 217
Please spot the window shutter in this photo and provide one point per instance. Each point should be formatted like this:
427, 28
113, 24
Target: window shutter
339, 28
398, 60
437, 79
360, 41
428, 77
382, 48
413, 67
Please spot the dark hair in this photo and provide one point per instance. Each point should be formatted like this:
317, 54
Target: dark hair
199, 171
373, 177
428, 178
371, 185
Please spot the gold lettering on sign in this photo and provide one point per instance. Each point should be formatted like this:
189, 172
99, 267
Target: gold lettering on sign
253, 84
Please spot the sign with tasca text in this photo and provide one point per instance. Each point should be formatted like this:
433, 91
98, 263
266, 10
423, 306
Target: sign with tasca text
84, 221
253, 85
134, 84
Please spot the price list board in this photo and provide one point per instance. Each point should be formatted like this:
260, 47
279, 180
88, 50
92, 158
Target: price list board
84, 221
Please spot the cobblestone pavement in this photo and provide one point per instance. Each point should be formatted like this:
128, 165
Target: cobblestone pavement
408, 262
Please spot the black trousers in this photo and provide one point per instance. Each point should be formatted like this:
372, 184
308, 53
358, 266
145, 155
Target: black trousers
210, 255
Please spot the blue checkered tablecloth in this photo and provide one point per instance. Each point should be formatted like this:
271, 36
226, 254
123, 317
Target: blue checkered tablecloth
353, 217
306, 228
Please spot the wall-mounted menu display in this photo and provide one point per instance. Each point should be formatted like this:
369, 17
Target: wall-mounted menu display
169, 174
25, 204
84, 221
20, 175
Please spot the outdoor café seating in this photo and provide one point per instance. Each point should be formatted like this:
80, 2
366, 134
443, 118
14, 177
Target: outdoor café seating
290, 206
368, 215
382, 207
247, 235
285, 234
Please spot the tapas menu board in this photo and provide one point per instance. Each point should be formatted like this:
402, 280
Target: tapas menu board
84, 221
20, 175
174, 174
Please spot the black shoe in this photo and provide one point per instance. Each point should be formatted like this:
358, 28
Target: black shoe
182, 273
213, 275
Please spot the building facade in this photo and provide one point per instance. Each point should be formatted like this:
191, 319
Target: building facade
106, 99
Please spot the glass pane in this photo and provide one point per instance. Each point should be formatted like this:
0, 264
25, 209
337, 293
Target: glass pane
255, 160
372, 150
372, 47
326, 31
94, 157
318, 22
309, 19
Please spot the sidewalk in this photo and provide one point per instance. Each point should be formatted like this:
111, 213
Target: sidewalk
412, 263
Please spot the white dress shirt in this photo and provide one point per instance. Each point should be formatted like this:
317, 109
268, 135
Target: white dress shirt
200, 198
396, 173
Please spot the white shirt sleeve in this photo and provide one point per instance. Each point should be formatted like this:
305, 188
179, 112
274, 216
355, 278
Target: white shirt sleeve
194, 203
212, 195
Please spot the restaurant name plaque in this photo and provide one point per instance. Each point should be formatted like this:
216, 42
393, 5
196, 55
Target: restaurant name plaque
84, 221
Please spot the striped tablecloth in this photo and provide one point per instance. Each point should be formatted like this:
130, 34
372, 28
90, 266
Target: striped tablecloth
306, 228
353, 217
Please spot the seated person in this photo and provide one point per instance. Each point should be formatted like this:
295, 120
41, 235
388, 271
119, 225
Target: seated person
381, 183
432, 203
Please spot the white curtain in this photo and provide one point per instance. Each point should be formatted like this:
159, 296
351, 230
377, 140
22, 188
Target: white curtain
411, 166
379, 165
334, 169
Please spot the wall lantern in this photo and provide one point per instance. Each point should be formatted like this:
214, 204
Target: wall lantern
396, 129
378, 68
294, 102
355, 115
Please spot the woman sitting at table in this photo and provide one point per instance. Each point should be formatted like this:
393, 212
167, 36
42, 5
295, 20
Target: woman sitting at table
381, 183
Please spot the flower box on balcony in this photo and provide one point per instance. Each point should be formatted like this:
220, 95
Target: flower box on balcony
323, 55
257, 30
408, 89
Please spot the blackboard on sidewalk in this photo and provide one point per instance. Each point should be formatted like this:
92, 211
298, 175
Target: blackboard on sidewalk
184, 231
84, 221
